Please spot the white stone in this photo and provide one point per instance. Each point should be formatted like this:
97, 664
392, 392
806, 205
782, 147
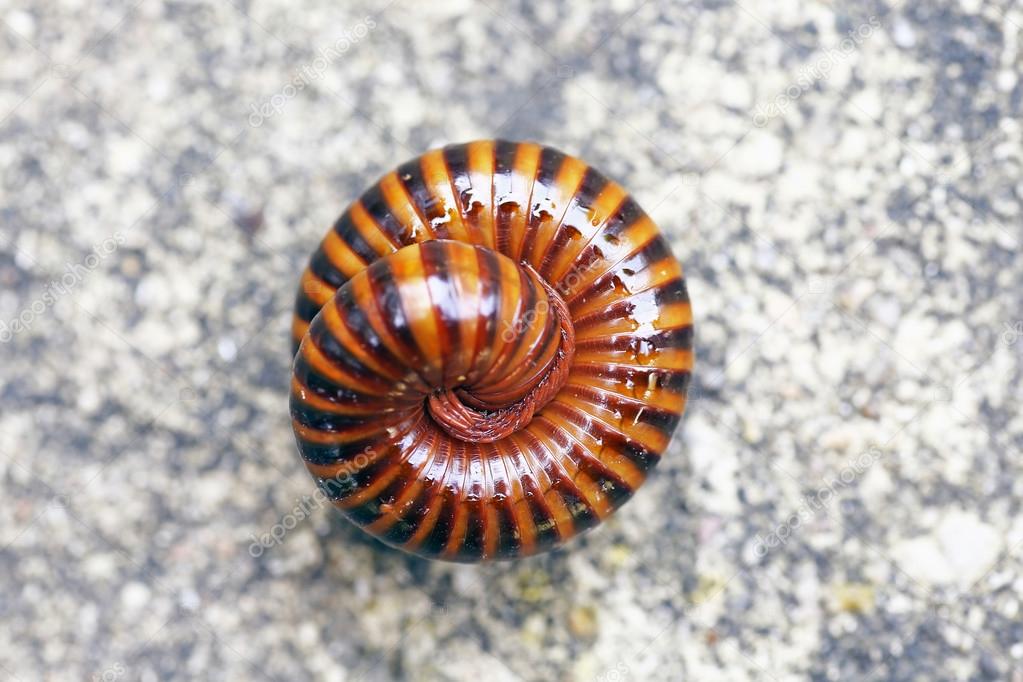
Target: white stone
89, 399
714, 462
800, 181
971, 545
1006, 80
189, 600
923, 559
902, 33
152, 292
134, 596
227, 349
866, 105
961, 551
887, 312
21, 23
735, 92
125, 155
758, 155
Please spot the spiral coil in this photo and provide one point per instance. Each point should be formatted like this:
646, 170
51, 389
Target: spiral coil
493, 348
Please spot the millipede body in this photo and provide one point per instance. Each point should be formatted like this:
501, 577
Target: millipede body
493, 346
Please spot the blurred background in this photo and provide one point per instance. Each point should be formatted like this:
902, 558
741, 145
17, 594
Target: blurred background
842, 181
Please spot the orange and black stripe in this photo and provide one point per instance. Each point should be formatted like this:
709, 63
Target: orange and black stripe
446, 277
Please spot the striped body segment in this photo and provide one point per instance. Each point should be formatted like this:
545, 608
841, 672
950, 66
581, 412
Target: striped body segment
453, 275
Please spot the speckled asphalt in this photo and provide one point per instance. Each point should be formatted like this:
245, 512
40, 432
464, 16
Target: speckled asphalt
841, 179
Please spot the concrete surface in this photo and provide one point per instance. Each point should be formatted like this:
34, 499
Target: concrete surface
842, 181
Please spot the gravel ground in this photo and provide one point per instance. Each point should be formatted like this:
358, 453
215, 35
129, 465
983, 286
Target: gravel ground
842, 181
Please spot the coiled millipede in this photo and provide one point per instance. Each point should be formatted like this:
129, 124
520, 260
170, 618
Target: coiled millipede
493, 348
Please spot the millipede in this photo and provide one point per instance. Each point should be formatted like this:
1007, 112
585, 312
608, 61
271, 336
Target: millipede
492, 349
